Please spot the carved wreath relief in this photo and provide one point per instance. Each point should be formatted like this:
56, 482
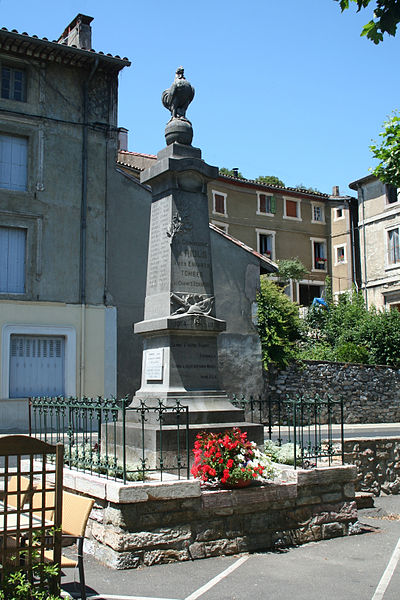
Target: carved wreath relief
189, 304
177, 225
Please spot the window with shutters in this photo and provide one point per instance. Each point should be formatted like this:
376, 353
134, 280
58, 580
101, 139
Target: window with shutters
13, 162
319, 255
37, 366
266, 204
12, 260
219, 203
291, 209
393, 255
13, 83
266, 243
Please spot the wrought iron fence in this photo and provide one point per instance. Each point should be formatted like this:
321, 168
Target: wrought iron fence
116, 439
314, 425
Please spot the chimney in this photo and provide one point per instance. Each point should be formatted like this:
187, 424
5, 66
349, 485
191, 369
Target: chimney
335, 190
235, 171
122, 138
78, 33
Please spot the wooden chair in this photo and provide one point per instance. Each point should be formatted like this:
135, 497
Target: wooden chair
75, 513
24, 533
18, 491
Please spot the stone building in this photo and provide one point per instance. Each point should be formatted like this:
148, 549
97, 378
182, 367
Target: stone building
379, 226
277, 222
58, 188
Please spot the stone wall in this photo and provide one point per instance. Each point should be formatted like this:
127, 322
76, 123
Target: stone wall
371, 393
149, 523
378, 464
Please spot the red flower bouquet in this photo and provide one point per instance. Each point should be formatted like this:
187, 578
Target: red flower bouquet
229, 458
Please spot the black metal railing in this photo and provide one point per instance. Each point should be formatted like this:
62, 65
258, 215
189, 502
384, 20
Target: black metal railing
114, 438
314, 425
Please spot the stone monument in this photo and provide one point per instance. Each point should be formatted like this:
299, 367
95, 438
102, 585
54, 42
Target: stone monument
180, 328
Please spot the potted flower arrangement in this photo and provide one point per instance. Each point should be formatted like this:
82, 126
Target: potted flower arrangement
229, 458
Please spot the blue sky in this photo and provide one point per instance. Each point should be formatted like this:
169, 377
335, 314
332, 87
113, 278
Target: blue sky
285, 88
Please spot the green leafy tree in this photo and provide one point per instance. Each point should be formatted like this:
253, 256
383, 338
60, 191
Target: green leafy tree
279, 325
230, 173
388, 152
291, 268
270, 180
304, 188
350, 332
386, 17
381, 335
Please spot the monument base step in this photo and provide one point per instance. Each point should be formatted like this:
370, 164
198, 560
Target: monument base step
168, 444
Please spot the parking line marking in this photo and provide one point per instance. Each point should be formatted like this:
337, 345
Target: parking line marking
216, 579
117, 597
387, 575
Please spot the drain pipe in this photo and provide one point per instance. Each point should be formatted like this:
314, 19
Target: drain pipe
83, 224
364, 242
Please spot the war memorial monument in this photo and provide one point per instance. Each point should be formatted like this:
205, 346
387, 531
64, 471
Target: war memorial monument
180, 328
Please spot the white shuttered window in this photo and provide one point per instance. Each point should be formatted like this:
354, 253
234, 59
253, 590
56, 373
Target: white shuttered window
13, 162
12, 260
37, 366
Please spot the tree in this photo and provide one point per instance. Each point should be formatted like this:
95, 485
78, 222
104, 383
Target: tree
279, 325
386, 17
304, 188
291, 268
230, 173
270, 180
388, 152
348, 331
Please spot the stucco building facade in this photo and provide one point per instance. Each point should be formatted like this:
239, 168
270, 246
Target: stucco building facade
58, 141
379, 228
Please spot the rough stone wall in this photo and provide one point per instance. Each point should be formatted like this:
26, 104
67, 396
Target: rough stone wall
371, 393
155, 523
378, 464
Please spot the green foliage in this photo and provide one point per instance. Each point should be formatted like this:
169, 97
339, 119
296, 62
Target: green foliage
85, 457
388, 152
16, 585
304, 188
230, 173
348, 332
386, 17
270, 180
283, 454
279, 325
381, 335
291, 268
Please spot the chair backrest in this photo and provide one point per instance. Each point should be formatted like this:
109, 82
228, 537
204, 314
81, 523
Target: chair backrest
75, 513
44, 500
23, 461
18, 487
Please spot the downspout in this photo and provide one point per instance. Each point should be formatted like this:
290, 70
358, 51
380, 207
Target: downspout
364, 242
83, 223
352, 244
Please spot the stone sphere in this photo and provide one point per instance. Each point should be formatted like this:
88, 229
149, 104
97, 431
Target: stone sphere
178, 130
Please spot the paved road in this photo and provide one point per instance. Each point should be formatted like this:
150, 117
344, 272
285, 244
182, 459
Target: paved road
367, 430
350, 568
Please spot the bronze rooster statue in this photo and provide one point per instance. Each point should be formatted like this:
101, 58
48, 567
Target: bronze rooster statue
178, 97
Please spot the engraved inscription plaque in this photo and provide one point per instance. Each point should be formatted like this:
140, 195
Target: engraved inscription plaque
154, 364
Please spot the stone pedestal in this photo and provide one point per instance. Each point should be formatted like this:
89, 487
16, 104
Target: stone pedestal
180, 329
